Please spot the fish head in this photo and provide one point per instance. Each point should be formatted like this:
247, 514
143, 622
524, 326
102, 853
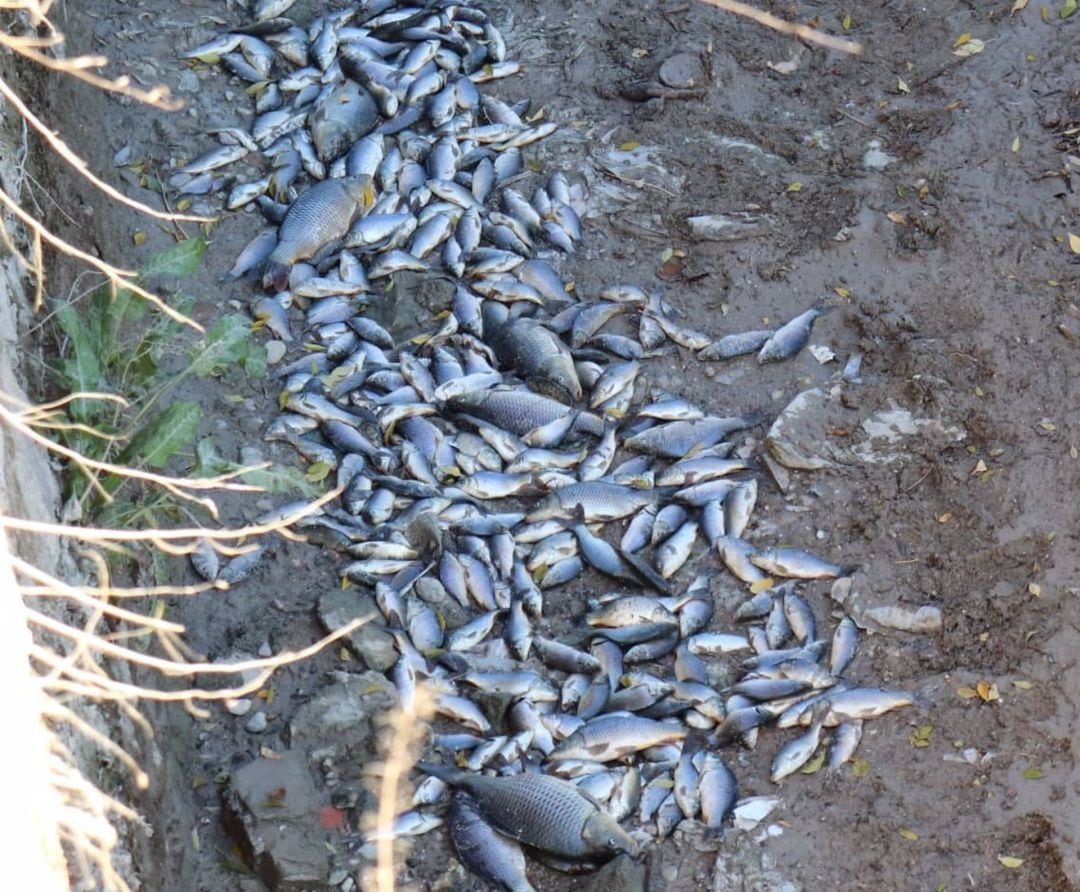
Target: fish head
603, 835
560, 370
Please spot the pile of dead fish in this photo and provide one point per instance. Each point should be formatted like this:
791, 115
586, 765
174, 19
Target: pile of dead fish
491, 461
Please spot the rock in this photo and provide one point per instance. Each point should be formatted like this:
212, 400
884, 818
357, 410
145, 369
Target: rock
238, 707
728, 227
257, 723
622, 873
797, 437
681, 71
272, 812
925, 619
339, 719
275, 351
372, 644
875, 158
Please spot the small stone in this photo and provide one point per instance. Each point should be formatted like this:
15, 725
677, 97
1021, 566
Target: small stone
681, 72
623, 873
257, 723
275, 351
238, 707
265, 650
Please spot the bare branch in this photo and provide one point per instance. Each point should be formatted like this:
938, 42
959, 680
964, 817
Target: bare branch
803, 32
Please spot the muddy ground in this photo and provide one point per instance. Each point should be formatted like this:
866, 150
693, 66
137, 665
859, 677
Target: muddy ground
948, 268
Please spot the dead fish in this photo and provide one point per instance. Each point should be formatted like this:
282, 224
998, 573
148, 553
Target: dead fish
844, 643
538, 354
241, 566
492, 856
796, 753
592, 501
794, 563
718, 789
677, 439
734, 345
610, 737
790, 338
205, 560
845, 741
320, 215
544, 812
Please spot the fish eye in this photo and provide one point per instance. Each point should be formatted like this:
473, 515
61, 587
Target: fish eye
613, 843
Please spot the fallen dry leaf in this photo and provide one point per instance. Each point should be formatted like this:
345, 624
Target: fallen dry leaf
898, 217
1074, 243
971, 48
1017, 6
1010, 862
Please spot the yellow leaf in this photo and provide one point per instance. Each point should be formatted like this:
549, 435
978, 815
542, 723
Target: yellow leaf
639, 53
344, 655
1008, 860
1044, 13
532, 119
1017, 6
945, 518
898, 217
909, 835
1074, 243
1047, 425
667, 254
183, 204
1022, 685
979, 391
962, 39
970, 48
967, 693
980, 468
1016, 144
762, 585
795, 187
1067, 9
842, 292
901, 86
814, 765
1034, 589
845, 23
629, 145
987, 692
1034, 773
139, 238
860, 768
317, 472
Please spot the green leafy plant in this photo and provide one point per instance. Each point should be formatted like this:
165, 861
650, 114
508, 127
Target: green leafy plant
115, 344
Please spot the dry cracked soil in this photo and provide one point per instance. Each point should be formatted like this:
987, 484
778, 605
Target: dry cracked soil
925, 197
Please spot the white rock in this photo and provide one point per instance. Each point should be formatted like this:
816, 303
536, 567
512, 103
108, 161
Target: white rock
238, 707
275, 351
750, 812
821, 353
925, 619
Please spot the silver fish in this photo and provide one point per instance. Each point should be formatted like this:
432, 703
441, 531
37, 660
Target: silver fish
544, 812
482, 850
321, 214
796, 564
790, 338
